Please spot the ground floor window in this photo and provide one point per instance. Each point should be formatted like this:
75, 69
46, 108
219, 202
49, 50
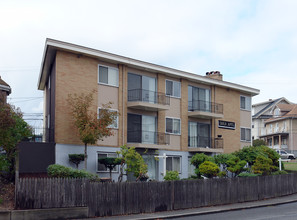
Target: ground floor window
284, 141
101, 167
152, 166
173, 163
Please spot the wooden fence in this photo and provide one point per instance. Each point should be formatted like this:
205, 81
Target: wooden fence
105, 199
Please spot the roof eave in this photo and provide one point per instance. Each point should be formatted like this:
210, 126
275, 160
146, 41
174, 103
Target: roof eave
137, 63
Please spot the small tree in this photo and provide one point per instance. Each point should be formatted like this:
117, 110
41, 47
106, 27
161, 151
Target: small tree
13, 129
110, 163
90, 127
222, 159
259, 142
133, 161
209, 169
236, 166
76, 159
198, 159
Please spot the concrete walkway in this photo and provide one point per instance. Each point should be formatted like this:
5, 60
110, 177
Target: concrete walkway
207, 210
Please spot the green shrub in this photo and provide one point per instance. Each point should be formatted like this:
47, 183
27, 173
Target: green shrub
76, 159
236, 166
279, 172
222, 174
56, 170
248, 175
259, 142
1, 201
209, 169
264, 166
171, 175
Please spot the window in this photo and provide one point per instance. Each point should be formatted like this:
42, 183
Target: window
276, 112
199, 135
173, 163
245, 103
108, 75
173, 125
101, 167
198, 99
270, 129
245, 134
173, 88
191, 168
115, 122
276, 127
269, 141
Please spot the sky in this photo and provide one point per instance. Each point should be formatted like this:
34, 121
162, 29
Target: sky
253, 43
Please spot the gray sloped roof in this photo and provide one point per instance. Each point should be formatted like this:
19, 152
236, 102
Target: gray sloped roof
266, 108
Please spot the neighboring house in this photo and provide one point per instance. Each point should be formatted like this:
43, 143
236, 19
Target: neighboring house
161, 110
5, 90
281, 129
261, 112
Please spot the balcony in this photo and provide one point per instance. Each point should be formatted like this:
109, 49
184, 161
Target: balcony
204, 109
147, 139
148, 100
205, 144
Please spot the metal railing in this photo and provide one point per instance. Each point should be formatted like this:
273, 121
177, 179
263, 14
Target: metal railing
205, 142
142, 95
205, 106
148, 137
41, 135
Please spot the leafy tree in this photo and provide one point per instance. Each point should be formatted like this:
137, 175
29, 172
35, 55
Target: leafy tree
209, 169
236, 166
263, 166
13, 129
198, 159
171, 175
249, 154
76, 159
90, 127
133, 161
110, 163
221, 159
259, 142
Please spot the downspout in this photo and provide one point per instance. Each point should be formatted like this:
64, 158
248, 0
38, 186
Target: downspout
291, 135
123, 105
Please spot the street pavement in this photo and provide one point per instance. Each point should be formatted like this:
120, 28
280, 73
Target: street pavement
206, 210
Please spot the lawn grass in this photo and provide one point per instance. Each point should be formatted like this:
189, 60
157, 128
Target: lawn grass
290, 166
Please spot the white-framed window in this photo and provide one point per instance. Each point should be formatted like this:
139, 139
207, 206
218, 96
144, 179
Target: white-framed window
284, 126
276, 127
276, 112
245, 103
116, 119
108, 75
173, 88
173, 163
270, 128
173, 126
101, 167
245, 134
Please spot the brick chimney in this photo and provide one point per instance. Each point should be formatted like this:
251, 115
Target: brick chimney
214, 75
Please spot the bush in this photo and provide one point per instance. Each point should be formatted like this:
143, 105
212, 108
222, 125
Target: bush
236, 166
279, 172
171, 175
248, 175
209, 169
56, 170
264, 166
259, 142
222, 174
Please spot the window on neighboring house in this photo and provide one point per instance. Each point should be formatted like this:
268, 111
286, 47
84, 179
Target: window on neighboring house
276, 127
269, 141
173, 88
245, 134
108, 75
276, 112
173, 163
245, 103
115, 122
173, 125
270, 128
101, 167
284, 126
284, 140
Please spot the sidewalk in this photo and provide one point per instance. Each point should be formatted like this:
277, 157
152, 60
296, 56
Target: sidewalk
206, 210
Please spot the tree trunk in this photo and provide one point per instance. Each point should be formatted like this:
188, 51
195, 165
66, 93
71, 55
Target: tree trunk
86, 156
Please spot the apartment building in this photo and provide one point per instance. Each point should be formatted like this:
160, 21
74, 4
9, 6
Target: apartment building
161, 110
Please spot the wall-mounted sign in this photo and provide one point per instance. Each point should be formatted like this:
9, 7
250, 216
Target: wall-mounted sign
227, 125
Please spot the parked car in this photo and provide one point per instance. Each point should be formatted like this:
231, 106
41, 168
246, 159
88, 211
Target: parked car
285, 155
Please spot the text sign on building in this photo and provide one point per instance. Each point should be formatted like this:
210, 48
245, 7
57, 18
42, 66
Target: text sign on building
227, 124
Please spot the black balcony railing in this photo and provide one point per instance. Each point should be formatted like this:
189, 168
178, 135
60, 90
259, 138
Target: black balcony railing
41, 135
148, 137
142, 95
205, 142
205, 106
